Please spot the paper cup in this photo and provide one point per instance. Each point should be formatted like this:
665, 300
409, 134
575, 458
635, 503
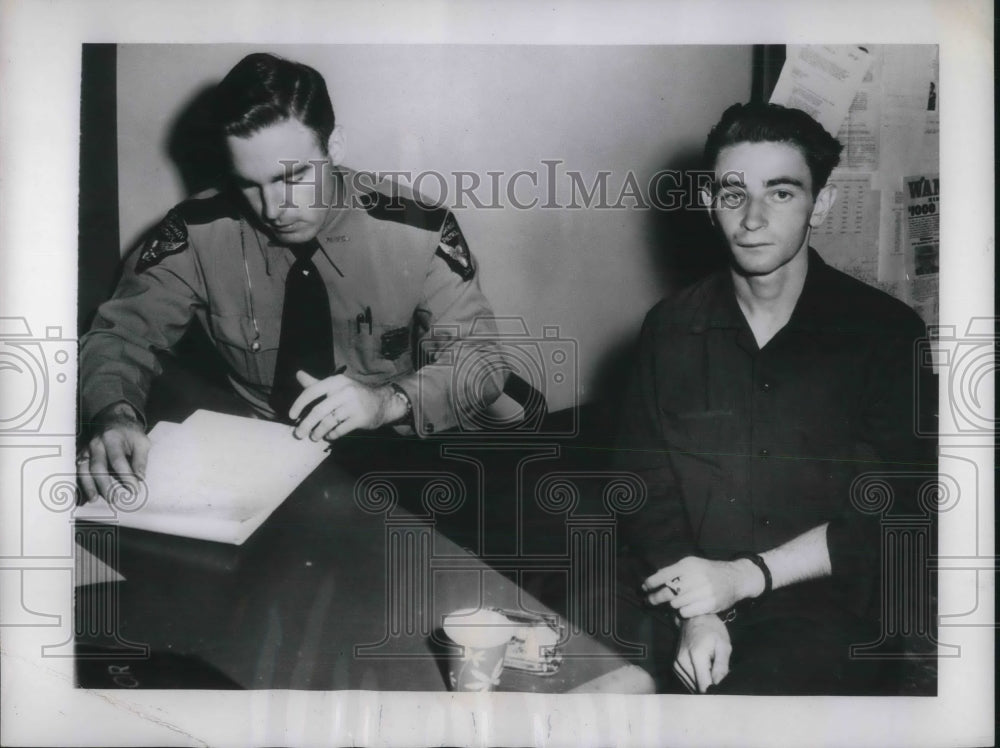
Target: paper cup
482, 636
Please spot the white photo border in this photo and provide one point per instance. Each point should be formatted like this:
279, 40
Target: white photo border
40, 46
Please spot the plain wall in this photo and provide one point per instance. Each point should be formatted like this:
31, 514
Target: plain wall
593, 273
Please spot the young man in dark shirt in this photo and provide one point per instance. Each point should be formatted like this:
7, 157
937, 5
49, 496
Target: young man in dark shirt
760, 394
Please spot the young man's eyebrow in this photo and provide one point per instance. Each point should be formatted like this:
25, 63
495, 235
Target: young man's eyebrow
791, 181
734, 179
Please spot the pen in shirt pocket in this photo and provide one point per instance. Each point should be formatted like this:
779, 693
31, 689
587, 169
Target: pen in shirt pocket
364, 318
308, 408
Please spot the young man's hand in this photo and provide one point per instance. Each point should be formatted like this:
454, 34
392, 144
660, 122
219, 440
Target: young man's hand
703, 652
116, 455
344, 405
696, 586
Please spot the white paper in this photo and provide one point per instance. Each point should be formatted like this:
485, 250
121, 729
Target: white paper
821, 81
89, 569
931, 149
215, 477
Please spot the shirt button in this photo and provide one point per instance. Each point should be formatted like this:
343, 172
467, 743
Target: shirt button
732, 499
764, 453
765, 521
766, 387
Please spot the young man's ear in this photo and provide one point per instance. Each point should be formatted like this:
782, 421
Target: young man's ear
821, 206
336, 146
705, 201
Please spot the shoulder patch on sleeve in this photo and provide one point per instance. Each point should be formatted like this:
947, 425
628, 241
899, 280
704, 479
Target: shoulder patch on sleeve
453, 249
404, 210
169, 237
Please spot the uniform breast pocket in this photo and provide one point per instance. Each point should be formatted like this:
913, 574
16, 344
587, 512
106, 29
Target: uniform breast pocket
250, 350
381, 350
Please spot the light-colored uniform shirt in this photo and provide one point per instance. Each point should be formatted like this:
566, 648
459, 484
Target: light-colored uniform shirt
405, 303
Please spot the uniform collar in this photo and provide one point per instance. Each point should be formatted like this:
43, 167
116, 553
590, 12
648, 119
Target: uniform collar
344, 202
328, 235
331, 229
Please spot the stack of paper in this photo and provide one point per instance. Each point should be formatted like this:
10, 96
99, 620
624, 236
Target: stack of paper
214, 477
89, 569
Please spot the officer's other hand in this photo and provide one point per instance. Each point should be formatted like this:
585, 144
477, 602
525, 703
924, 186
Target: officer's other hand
346, 405
703, 652
116, 454
697, 586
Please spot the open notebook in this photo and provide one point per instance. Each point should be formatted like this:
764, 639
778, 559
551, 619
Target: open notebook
214, 477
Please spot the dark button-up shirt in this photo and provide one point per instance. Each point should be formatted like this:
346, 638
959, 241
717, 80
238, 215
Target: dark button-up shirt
743, 448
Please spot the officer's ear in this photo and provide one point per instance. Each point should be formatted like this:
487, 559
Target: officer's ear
336, 146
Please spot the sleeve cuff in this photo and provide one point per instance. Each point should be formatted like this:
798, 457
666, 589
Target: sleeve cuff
103, 395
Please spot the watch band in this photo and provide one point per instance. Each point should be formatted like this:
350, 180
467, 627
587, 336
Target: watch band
759, 562
398, 391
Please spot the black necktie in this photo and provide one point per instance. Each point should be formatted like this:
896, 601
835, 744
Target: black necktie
306, 341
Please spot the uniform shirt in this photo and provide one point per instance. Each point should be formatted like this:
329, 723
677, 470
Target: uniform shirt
393, 270
743, 448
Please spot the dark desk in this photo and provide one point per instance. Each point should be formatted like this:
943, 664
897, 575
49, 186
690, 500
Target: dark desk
334, 591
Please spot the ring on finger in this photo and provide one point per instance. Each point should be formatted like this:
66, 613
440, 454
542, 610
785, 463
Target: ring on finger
83, 459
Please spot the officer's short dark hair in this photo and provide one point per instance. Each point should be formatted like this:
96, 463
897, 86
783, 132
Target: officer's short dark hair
762, 123
264, 89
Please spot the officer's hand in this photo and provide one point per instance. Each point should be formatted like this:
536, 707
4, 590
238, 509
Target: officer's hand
703, 652
696, 586
115, 457
346, 405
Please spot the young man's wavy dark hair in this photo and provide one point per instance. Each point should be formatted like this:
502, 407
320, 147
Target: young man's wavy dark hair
773, 123
263, 90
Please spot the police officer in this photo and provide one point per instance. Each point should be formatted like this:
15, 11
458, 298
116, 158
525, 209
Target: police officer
362, 349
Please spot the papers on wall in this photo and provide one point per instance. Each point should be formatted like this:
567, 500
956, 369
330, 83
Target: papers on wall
821, 81
909, 137
848, 238
860, 130
214, 477
882, 103
923, 237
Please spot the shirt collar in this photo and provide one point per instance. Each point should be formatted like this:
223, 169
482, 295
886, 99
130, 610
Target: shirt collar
816, 308
719, 308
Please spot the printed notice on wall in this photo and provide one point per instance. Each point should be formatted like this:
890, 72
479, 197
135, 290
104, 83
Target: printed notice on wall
859, 131
923, 234
822, 81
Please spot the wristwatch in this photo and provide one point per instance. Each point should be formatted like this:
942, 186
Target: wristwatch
400, 393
